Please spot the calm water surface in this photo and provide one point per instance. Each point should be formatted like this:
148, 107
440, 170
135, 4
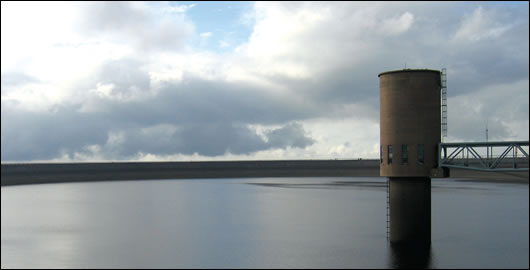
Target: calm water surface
337, 222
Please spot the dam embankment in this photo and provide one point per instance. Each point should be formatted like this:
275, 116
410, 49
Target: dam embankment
40, 173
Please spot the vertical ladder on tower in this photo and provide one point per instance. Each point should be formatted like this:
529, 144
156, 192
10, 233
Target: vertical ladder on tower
387, 207
444, 102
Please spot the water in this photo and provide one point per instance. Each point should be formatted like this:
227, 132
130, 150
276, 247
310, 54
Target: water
256, 223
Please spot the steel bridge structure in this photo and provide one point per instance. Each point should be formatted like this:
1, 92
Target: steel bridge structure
510, 156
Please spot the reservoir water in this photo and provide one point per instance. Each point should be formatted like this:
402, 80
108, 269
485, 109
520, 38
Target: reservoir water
325, 222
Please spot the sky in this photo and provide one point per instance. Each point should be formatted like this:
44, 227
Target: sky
145, 81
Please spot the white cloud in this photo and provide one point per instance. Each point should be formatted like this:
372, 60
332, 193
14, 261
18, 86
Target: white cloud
205, 35
224, 44
109, 84
481, 24
104, 90
397, 25
136, 24
179, 9
34, 96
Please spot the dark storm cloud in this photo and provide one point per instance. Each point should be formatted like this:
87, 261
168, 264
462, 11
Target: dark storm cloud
37, 135
193, 100
213, 139
44, 135
289, 135
195, 116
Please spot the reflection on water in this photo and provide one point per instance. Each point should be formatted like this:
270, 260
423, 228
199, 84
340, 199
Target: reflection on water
413, 256
256, 223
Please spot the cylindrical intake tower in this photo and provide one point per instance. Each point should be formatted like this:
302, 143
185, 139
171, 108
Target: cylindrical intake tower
409, 122
410, 134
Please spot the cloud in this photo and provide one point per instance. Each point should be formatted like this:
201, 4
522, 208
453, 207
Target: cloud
397, 25
289, 135
180, 9
502, 107
120, 81
121, 119
481, 25
16, 79
30, 135
350, 43
205, 35
136, 23
224, 44
126, 139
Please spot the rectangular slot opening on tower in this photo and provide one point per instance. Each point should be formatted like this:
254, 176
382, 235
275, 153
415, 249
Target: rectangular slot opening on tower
389, 154
404, 154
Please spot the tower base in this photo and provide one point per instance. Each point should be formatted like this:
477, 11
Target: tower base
410, 210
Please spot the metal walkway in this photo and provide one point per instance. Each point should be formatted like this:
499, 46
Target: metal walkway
511, 156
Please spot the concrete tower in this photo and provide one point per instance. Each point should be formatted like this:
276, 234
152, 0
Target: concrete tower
410, 132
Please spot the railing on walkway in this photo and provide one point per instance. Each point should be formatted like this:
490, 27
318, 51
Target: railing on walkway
480, 156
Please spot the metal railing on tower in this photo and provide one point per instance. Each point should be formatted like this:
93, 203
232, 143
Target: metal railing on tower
444, 101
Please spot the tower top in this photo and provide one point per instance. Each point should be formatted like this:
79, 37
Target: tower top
408, 70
